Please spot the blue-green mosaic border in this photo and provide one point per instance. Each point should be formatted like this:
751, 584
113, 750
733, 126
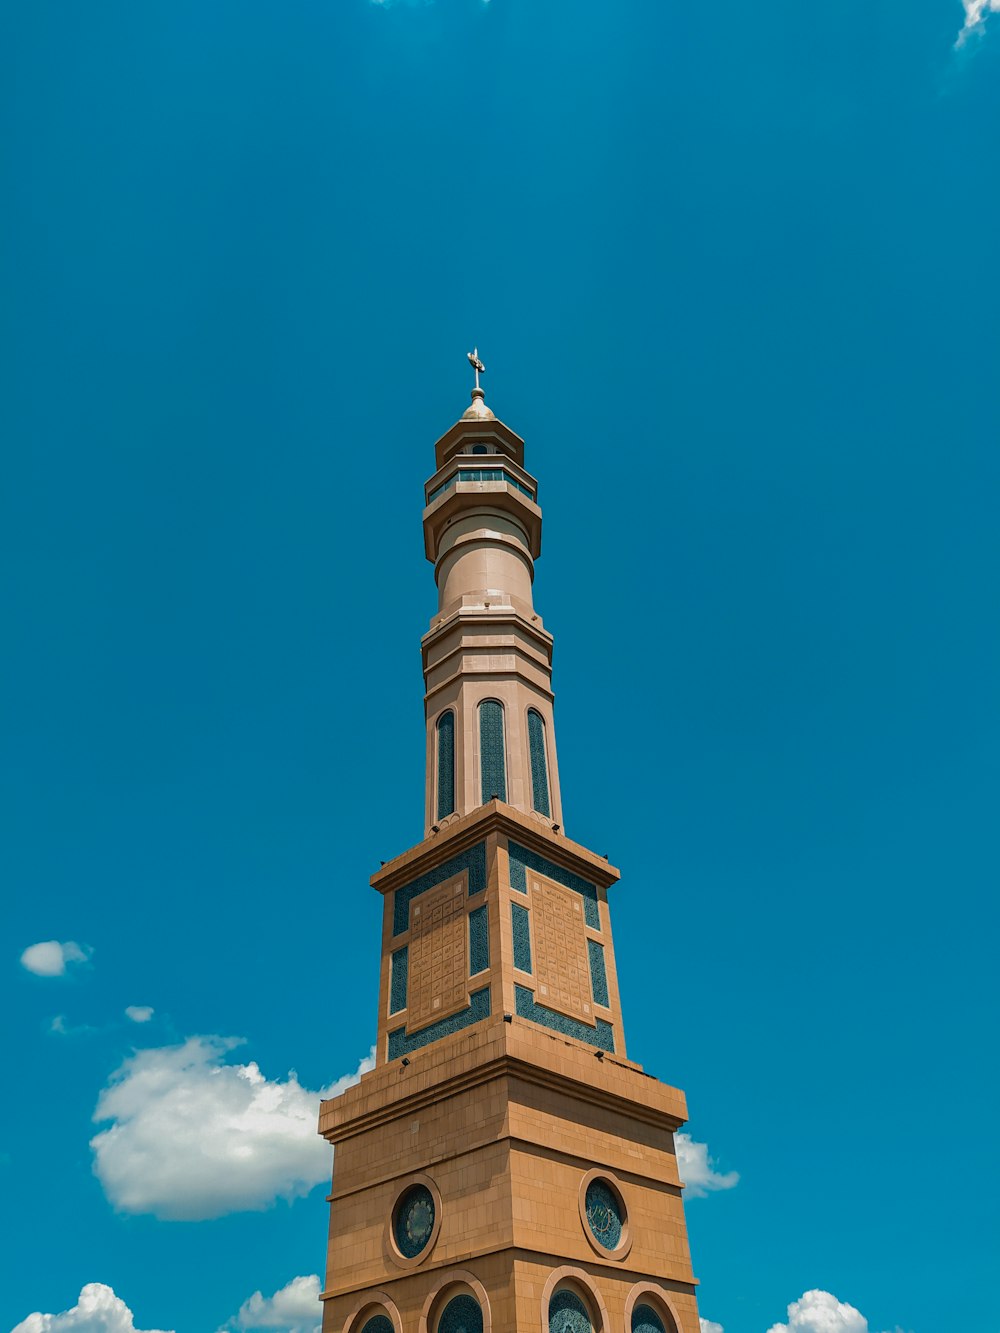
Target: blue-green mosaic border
400, 1043
598, 973
398, 979
521, 859
520, 923
473, 859
479, 941
539, 770
603, 1036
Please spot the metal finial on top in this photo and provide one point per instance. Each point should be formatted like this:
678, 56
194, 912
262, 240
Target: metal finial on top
476, 364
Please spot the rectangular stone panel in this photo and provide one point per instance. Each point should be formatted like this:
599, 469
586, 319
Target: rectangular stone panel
562, 963
522, 862
438, 955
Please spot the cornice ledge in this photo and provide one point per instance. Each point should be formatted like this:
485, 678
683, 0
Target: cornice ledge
505, 1065
598, 1096
467, 615
494, 817
682, 1284
428, 1095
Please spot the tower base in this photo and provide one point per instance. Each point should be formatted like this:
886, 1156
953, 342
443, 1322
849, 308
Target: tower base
506, 1126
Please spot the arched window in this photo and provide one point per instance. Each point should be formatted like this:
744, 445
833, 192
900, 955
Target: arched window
446, 764
462, 1314
539, 769
646, 1319
492, 766
479, 449
378, 1323
568, 1314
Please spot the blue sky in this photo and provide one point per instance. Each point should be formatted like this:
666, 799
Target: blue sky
733, 271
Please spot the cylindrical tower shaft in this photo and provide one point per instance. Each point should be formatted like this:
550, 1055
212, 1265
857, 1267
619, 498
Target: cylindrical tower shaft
487, 657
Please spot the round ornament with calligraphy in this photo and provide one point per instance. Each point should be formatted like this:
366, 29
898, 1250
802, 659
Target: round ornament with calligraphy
414, 1221
605, 1214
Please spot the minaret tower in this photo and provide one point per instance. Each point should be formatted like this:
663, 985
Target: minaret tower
504, 1167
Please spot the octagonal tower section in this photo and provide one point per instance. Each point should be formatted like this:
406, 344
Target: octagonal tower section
487, 657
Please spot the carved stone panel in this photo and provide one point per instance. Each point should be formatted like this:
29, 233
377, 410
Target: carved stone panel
439, 954
562, 964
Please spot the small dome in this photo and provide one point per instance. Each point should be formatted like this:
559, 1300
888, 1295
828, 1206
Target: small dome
478, 411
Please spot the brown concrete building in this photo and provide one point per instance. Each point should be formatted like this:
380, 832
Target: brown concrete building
504, 1167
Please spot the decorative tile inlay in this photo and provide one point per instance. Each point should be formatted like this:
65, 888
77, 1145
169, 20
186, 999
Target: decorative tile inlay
568, 1314
446, 764
521, 859
539, 771
598, 972
414, 1221
479, 941
561, 962
438, 964
646, 1320
601, 1035
461, 1315
472, 860
397, 981
379, 1323
492, 760
605, 1215
520, 921
403, 1043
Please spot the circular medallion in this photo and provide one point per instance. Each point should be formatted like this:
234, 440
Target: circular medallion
414, 1221
605, 1214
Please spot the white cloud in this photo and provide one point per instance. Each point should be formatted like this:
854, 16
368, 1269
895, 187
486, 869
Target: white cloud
139, 1013
697, 1169
98, 1310
48, 958
293, 1309
975, 17
62, 1027
813, 1312
819, 1312
193, 1137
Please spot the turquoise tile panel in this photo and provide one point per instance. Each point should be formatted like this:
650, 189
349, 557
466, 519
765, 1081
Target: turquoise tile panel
479, 941
446, 765
521, 859
400, 965
401, 1043
492, 754
598, 974
473, 860
539, 769
602, 1036
520, 921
